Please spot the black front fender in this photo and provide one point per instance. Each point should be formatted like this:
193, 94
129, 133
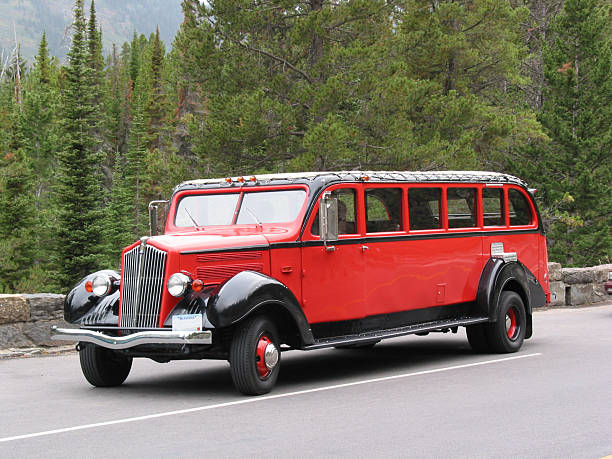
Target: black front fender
248, 291
84, 308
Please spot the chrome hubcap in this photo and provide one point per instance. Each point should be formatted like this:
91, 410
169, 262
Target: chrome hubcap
508, 322
271, 356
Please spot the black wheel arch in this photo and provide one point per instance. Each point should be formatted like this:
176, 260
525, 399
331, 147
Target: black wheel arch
499, 276
250, 293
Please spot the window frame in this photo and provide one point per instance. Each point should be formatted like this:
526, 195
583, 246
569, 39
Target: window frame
403, 207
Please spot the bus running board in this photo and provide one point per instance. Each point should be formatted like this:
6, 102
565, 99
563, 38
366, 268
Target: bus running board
373, 336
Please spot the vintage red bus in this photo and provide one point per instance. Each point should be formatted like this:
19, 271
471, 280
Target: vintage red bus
249, 266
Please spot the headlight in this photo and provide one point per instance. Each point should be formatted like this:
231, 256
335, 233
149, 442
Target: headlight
177, 284
101, 285
610, 275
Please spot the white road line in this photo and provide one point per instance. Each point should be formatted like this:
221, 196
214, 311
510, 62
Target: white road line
259, 399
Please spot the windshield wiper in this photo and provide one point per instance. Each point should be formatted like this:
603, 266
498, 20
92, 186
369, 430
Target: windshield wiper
252, 215
193, 219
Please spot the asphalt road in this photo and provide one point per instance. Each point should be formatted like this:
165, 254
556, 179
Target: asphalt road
409, 397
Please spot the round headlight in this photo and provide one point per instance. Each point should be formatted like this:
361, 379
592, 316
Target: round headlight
101, 285
177, 284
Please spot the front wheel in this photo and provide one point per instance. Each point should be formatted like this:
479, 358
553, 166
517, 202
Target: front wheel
255, 356
103, 367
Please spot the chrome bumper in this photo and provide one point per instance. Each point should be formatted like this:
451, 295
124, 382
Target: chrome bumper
135, 339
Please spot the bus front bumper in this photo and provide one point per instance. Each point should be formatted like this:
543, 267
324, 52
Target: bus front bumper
134, 339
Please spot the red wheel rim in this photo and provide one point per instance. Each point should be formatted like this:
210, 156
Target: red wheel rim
511, 323
260, 356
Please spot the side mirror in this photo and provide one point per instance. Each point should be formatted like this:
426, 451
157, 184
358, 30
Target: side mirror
328, 220
153, 216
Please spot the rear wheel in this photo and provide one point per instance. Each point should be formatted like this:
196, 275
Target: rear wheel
103, 367
508, 332
255, 356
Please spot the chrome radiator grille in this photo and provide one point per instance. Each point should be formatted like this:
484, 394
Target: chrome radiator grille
143, 281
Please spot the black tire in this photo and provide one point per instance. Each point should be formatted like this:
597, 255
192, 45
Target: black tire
103, 367
477, 337
247, 367
501, 337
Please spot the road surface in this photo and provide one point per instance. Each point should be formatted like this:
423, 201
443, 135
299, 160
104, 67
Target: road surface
408, 397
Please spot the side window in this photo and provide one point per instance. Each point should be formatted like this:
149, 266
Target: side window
520, 212
493, 206
383, 209
347, 211
461, 207
424, 208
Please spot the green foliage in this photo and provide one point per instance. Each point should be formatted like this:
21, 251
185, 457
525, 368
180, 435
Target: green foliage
16, 219
78, 187
361, 85
286, 85
574, 169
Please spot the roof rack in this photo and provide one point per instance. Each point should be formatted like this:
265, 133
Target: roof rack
378, 176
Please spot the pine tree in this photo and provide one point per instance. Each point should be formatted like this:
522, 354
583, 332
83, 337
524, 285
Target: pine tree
38, 129
95, 94
310, 85
38, 120
17, 221
156, 106
574, 169
134, 172
118, 222
78, 190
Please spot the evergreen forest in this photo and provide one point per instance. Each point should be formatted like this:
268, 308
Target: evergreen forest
250, 87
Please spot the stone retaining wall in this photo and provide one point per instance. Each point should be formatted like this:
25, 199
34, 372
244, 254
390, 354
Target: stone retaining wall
577, 286
26, 320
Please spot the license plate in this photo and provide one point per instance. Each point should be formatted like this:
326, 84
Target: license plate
187, 322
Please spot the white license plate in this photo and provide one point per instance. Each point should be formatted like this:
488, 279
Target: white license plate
187, 322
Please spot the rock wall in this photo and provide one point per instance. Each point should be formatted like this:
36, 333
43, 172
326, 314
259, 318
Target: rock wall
26, 320
577, 286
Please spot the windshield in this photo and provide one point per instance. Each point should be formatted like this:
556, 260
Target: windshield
255, 207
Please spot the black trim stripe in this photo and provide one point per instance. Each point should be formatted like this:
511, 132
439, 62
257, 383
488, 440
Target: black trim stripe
363, 240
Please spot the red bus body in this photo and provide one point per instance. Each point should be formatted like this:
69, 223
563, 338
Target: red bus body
476, 242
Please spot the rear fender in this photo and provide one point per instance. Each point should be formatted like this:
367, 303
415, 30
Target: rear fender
249, 292
499, 276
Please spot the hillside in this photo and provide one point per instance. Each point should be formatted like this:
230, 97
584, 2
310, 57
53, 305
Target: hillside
118, 18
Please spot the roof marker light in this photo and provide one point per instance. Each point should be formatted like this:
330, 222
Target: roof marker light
241, 179
228, 179
253, 179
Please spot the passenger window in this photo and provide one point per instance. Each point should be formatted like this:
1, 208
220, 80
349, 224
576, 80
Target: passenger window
461, 203
383, 210
347, 222
520, 212
424, 208
493, 206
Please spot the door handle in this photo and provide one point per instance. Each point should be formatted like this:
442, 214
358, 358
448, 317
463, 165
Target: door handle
364, 248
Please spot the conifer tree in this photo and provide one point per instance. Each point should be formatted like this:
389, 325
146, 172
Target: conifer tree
118, 221
16, 221
311, 85
38, 120
574, 169
78, 190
